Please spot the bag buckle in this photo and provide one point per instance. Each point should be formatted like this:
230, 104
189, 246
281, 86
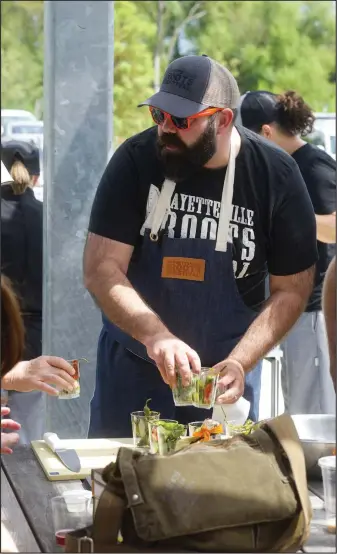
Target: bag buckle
88, 541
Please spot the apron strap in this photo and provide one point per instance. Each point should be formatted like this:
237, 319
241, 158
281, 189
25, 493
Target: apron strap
164, 201
162, 207
227, 195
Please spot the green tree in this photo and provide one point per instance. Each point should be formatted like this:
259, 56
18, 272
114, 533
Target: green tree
273, 45
133, 68
146, 37
21, 54
171, 20
267, 44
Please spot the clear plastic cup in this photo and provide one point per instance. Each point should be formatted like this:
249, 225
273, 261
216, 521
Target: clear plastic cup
140, 428
65, 519
78, 500
162, 440
328, 467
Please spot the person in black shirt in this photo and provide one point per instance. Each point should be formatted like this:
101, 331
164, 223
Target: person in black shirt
329, 310
189, 217
284, 119
21, 261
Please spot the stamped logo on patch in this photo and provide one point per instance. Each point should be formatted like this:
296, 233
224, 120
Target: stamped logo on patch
191, 269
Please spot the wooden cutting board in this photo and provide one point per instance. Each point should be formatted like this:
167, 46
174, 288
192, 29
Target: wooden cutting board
93, 454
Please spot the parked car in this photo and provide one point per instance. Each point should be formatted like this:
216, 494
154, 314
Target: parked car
28, 131
324, 133
9, 116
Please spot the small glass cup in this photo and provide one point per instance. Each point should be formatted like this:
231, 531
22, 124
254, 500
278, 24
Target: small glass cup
140, 428
193, 427
328, 467
64, 394
159, 437
185, 395
206, 388
65, 519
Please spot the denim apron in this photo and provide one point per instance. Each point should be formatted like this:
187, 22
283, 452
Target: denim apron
209, 315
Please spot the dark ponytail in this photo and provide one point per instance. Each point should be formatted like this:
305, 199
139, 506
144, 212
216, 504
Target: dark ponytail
294, 116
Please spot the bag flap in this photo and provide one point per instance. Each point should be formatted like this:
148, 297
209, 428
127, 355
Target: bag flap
285, 431
232, 484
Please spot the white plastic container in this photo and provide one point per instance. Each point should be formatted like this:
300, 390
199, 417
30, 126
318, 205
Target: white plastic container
328, 467
237, 413
78, 500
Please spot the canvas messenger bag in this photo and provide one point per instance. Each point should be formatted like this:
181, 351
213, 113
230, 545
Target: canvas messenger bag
244, 494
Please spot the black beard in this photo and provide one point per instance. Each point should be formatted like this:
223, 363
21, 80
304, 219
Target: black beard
182, 164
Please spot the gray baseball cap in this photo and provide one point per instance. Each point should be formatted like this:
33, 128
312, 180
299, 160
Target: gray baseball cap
193, 83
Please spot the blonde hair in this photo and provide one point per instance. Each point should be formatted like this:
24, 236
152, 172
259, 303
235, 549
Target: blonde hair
22, 179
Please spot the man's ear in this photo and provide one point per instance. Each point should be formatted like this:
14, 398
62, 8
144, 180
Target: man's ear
266, 131
226, 119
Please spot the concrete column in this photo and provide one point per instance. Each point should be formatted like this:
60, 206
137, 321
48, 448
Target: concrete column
78, 80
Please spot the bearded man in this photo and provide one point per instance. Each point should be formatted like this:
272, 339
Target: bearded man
189, 220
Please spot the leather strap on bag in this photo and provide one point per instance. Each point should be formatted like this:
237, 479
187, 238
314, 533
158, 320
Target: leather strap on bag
284, 430
108, 518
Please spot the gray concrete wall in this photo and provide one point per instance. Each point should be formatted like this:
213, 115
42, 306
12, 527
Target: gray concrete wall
78, 82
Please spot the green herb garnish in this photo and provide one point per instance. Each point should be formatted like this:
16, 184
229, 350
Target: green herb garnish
147, 411
245, 429
167, 435
140, 425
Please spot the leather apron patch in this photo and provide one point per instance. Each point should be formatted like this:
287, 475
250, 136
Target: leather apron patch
192, 269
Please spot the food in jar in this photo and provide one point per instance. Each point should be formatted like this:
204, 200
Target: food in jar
200, 392
164, 434
75, 393
185, 395
208, 430
206, 389
245, 429
140, 425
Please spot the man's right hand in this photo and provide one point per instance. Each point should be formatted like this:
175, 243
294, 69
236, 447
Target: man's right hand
171, 355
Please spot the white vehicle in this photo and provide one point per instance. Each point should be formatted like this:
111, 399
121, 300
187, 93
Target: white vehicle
27, 131
324, 133
8, 116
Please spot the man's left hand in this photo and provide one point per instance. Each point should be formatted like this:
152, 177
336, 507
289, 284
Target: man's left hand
8, 439
231, 381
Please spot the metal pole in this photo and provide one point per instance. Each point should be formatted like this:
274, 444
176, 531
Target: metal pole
78, 80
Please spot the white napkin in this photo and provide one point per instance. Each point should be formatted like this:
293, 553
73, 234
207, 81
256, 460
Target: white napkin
237, 413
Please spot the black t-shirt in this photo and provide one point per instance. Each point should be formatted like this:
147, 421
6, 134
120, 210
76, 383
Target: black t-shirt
319, 173
21, 246
272, 227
